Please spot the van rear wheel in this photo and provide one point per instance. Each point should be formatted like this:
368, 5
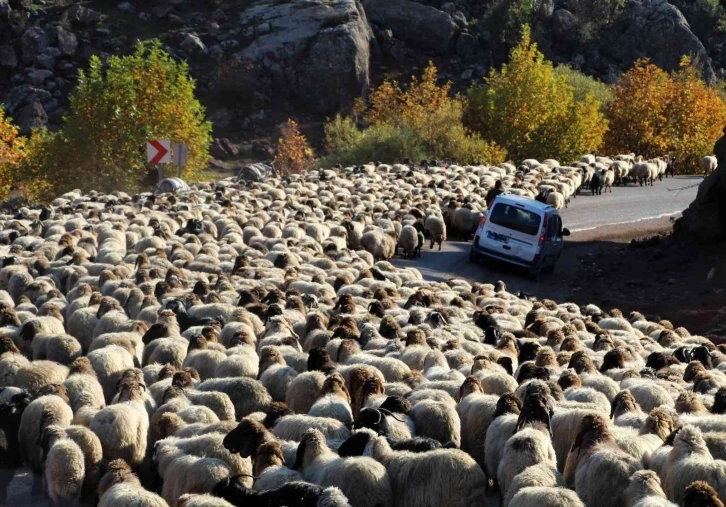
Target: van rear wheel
473, 256
549, 269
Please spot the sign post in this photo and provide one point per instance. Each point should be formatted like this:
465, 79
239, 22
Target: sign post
157, 153
181, 155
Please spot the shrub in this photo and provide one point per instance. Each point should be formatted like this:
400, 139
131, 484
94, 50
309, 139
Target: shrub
114, 111
582, 85
422, 121
293, 152
654, 113
531, 110
11, 153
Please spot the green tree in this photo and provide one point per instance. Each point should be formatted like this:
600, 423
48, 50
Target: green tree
115, 109
421, 121
530, 110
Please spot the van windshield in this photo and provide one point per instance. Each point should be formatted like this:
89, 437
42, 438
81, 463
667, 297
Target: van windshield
517, 219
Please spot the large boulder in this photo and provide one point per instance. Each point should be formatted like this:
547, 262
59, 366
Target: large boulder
314, 51
66, 41
705, 219
653, 29
81, 16
33, 42
8, 58
414, 23
32, 117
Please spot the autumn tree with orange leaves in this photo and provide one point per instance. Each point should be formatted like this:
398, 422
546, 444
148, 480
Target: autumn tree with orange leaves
293, 153
654, 113
11, 153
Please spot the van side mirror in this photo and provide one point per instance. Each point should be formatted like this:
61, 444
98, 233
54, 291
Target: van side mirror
565, 231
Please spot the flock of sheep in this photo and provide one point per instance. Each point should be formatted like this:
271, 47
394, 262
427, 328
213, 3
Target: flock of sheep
249, 344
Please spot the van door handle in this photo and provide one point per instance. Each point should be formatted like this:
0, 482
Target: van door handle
507, 247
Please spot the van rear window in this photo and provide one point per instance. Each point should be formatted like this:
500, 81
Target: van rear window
517, 219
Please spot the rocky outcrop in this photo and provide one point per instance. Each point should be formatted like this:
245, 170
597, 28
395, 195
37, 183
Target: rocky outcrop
420, 25
317, 51
705, 219
652, 29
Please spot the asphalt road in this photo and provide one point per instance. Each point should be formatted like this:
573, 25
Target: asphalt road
630, 210
630, 204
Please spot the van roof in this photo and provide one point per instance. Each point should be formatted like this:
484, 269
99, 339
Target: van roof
526, 202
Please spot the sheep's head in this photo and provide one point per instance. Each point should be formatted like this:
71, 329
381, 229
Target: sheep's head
396, 404
275, 411
643, 483
528, 351
545, 357
117, 472
55, 390
82, 366
267, 454
537, 408
334, 383
659, 422
166, 371
370, 387
108, 304
169, 423
197, 342
182, 380
529, 371
622, 403
581, 362
507, 404
269, 356
705, 356
705, 382
319, 359
569, 379
313, 441
470, 385
701, 494
415, 336
719, 402
166, 317
357, 443
594, 428
389, 328
12, 411
372, 418
29, 330
7, 345
245, 438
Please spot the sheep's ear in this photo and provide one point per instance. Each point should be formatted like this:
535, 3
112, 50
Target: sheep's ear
300, 455
507, 364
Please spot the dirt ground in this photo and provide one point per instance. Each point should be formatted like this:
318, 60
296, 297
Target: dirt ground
656, 273
636, 266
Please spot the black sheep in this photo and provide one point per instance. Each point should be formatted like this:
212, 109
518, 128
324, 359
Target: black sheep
10, 457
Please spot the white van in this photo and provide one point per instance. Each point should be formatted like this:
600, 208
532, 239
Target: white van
520, 231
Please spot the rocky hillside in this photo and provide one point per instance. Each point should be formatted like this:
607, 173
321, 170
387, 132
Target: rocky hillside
257, 63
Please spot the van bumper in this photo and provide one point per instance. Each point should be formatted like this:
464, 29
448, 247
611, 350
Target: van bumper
485, 252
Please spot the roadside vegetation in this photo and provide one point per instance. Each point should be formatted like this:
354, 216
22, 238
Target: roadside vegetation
528, 108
